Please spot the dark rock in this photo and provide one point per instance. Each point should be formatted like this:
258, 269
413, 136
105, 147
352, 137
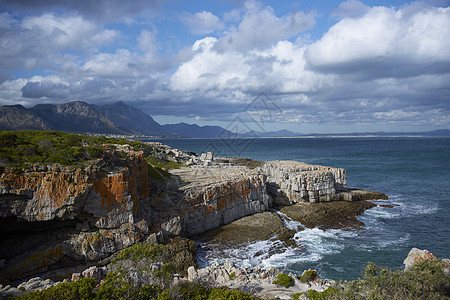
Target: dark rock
181, 253
327, 215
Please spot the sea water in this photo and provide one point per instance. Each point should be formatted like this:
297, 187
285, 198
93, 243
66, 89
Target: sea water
413, 172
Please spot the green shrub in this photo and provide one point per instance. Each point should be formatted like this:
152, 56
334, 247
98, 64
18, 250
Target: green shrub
165, 274
309, 275
196, 291
426, 280
296, 296
163, 164
81, 289
139, 251
284, 280
324, 295
232, 275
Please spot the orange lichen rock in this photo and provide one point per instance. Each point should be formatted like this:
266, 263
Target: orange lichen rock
416, 255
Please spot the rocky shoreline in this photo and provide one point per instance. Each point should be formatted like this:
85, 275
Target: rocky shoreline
92, 213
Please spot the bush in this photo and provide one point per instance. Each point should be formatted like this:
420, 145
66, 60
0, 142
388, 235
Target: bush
196, 291
426, 280
309, 275
165, 274
139, 251
81, 289
284, 280
324, 295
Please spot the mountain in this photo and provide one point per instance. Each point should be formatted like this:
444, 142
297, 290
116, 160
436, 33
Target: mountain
76, 116
17, 117
132, 119
195, 131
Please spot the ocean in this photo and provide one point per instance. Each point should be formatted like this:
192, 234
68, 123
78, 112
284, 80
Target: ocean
414, 172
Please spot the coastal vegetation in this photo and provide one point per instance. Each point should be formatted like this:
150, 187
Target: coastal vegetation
284, 280
21, 149
426, 280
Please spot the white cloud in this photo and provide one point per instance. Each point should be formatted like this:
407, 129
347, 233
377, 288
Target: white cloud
202, 22
260, 28
386, 43
40, 41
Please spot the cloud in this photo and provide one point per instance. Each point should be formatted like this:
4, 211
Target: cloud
104, 10
41, 41
386, 43
46, 89
350, 9
376, 65
202, 22
260, 28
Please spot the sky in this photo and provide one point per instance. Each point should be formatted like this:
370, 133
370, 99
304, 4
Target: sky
311, 66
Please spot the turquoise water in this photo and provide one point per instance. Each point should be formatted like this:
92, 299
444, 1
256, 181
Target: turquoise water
413, 172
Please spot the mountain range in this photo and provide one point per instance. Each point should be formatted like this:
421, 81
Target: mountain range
120, 118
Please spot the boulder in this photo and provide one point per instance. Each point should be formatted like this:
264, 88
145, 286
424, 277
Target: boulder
416, 255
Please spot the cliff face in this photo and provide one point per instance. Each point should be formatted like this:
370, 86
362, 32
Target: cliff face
54, 214
292, 182
217, 196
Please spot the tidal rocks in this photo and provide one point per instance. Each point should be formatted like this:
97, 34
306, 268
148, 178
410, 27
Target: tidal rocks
257, 227
331, 215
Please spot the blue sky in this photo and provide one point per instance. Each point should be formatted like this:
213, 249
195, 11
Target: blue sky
326, 66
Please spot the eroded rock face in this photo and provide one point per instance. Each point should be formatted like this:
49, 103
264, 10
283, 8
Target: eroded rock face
293, 182
217, 196
54, 215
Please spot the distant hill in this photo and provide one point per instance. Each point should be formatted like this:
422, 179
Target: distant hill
76, 116
132, 119
121, 118
17, 117
81, 117
195, 131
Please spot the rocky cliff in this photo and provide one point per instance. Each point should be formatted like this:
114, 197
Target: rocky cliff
215, 196
57, 219
56, 216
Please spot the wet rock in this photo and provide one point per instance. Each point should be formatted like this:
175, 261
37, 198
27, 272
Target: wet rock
258, 227
336, 215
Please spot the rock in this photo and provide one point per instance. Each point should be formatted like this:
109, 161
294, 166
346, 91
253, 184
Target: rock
192, 273
181, 253
257, 227
272, 270
152, 239
446, 262
293, 182
330, 215
416, 255
215, 196
95, 273
71, 214
173, 226
75, 277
